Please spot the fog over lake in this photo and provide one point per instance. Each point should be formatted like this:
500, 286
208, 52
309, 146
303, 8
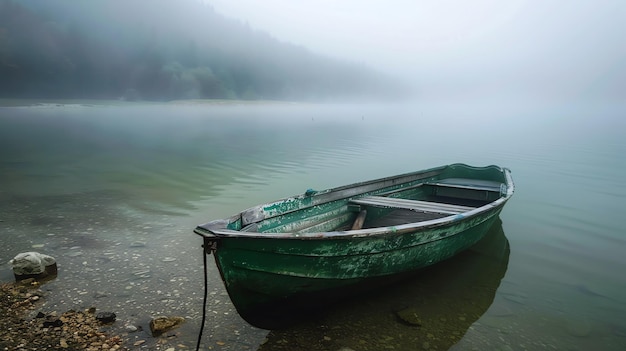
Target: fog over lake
522, 49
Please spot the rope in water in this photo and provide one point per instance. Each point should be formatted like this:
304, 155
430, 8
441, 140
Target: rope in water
204, 260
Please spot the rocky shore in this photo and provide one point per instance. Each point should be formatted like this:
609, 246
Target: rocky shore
22, 328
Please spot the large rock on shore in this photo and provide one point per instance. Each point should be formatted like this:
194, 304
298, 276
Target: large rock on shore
33, 265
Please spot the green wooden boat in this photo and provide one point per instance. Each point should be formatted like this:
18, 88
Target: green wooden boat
304, 250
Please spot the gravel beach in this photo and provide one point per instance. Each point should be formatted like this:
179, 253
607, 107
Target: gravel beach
24, 327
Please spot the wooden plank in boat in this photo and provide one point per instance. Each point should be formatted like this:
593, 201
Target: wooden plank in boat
472, 184
414, 205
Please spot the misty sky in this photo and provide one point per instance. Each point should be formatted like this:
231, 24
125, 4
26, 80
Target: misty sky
542, 49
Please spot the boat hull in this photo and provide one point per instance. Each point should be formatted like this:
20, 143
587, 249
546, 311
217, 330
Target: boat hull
272, 277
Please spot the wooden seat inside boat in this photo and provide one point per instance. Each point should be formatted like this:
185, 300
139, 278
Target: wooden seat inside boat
468, 189
413, 205
470, 184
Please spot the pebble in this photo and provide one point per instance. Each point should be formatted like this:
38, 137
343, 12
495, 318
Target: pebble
106, 317
141, 273
138, 244
100, 294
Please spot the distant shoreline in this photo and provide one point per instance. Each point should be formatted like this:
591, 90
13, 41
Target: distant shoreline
7, 102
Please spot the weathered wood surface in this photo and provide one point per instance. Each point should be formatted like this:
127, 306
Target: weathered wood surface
413, 205
401, 216
277, 208
360, 219
471, 184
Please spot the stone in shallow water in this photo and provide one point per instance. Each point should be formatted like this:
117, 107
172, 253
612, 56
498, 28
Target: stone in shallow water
100, 294
135, 244
409, 316
160, 325
106, 317
33, 265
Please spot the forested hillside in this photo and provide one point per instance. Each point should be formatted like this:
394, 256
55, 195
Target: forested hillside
162, 50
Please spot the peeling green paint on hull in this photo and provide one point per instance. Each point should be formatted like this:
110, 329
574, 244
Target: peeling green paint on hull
267, 270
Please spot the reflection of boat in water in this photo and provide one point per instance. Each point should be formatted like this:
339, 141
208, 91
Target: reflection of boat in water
432, 309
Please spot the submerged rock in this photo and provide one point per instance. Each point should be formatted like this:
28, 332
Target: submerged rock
160, 325
409, 316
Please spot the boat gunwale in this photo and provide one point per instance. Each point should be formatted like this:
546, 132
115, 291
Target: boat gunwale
215, 230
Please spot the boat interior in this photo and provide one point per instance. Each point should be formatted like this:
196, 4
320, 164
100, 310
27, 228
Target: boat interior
425, 201
406, 203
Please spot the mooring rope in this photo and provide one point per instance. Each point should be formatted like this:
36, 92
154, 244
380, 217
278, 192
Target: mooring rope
206, 288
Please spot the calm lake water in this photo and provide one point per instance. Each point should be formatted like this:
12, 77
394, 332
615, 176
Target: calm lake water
114, 191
